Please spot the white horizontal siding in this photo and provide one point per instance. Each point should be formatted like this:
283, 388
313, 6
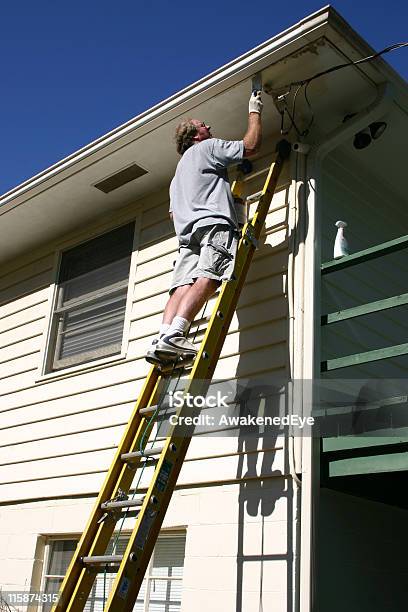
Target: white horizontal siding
152, 251
103, 379
20, 348
103, 437
78, 484
270, 308
73, 403
19, 304
21, 288
100, 457
32, 313
271, 285
19, 365
19, 271
69, 477
59, 435
23, 309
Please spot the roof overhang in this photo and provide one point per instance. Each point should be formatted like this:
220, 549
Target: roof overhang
64, 196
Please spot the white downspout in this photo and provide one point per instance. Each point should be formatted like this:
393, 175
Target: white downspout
299, 446
295, 303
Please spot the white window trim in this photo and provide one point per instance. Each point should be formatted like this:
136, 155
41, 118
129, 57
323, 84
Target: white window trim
46, 349
167, 533
47, 550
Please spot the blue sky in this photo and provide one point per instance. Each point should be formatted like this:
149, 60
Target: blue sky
72, 71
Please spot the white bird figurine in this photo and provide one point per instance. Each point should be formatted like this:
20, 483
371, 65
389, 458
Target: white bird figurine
341, 246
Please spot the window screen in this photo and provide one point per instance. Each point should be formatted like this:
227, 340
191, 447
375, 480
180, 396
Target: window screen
161, 589
91, 299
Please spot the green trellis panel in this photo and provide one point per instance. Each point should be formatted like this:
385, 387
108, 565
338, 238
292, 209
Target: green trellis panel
360, 358
358, 311
393, 462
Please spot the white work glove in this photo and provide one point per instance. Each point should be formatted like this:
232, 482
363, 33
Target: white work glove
255, 102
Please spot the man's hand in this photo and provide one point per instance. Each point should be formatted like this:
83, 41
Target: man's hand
253, 136
255, 102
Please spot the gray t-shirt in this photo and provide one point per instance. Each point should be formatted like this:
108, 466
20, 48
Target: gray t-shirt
200, 193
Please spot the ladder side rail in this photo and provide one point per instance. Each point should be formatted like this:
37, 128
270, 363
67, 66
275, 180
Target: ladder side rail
107, 527
95, 535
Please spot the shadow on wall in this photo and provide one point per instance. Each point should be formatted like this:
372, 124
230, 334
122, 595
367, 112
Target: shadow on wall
259, 448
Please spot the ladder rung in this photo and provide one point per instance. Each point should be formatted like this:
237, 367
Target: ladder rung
148, 409
102, 559
132, 514
125, 503
254, 196
148, 452
165, 368
253, 175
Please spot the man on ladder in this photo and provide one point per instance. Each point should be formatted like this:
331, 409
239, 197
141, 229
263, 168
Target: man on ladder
205, 220
117, 497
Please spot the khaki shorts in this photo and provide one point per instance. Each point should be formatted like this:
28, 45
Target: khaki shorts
210, 254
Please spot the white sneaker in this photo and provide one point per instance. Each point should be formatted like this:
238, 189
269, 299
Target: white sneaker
150, 355
175, 345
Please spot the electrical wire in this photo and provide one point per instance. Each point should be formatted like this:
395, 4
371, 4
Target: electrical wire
369, 58
304, 83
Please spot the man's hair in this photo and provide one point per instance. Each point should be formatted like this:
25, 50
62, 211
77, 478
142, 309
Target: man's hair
185, 132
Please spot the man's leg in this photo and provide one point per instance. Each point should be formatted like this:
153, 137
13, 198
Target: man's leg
173, 303
191, 302
182, 280
168, 316
209, 261
183, 308
186, 301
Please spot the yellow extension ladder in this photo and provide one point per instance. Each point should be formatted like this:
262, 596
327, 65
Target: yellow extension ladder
115, 498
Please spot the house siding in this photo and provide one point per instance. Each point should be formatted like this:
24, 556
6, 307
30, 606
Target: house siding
59, 432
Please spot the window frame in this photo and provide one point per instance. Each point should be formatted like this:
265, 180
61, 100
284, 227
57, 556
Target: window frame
149, 576
47, 553
48, 350
58, 363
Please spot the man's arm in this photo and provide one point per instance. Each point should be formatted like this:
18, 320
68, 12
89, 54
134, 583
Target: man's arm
253, 137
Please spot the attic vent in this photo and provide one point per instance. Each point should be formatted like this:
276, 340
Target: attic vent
120, 178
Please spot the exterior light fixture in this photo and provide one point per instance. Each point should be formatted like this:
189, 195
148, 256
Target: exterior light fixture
377, 129
373, 131
362, 139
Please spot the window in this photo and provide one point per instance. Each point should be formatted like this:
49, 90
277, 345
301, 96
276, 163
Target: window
90, 305
59, 554
161, 589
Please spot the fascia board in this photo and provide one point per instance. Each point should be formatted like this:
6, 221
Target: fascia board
357, 48
180, 103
